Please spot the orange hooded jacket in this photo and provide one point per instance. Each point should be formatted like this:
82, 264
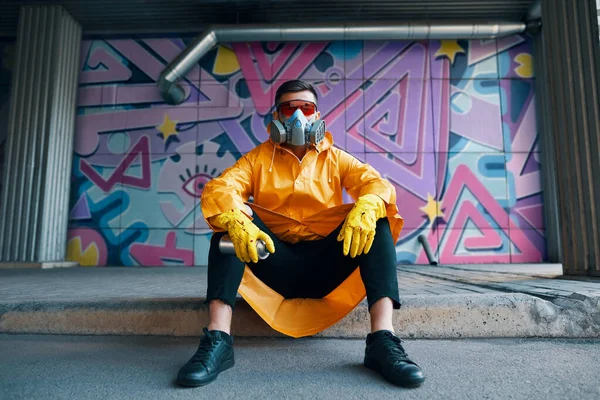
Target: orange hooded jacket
298, 200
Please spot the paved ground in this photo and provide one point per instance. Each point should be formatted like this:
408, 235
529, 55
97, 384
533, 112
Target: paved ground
96, 284
538, 281
88, 367
100, 283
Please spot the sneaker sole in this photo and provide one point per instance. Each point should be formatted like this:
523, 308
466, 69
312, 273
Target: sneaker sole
193, 383
374, 365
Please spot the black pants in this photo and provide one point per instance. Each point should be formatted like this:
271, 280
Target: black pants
309, 269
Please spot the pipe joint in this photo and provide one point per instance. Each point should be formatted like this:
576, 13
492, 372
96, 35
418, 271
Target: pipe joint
172, 92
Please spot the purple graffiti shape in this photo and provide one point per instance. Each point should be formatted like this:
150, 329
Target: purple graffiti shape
139, 56
527, 183
169, 50
480, 124
507, 42
114, 70
533, 214
81, 209
137, 94
417, 178
480, 50
151, 255
141, 148
89, 127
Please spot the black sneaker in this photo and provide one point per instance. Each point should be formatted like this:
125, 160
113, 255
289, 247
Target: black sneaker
385, 354
214, 355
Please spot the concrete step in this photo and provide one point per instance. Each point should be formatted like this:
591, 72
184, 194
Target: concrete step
170, 301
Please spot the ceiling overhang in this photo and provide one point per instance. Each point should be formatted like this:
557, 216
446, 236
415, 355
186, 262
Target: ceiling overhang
180, 16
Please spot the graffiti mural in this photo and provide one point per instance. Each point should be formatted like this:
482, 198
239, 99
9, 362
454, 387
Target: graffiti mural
450, 123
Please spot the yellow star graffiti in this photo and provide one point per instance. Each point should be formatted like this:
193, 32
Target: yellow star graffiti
433, 208
525, 67
449, 48
168, 128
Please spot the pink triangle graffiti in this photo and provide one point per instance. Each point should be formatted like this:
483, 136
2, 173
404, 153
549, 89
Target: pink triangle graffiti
142, 149
490, 240
396, 93
384, 118
464, 178
406, 97
260, 88
270, 69
404, 112
152, 255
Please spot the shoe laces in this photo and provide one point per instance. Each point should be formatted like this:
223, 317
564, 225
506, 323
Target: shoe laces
207, 346
396, 351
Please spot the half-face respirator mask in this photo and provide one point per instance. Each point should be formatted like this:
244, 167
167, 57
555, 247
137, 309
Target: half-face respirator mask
296, 128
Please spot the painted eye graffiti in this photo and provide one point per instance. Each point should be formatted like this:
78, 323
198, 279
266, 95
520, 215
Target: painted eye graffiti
194, 184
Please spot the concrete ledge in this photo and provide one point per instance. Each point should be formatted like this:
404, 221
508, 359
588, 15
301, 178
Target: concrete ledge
42, 265
452, 316
542, 270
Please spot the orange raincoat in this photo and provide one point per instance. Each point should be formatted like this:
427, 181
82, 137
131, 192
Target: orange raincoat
298, 201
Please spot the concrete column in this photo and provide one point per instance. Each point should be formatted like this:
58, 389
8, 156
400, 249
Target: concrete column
568, 76
39, 145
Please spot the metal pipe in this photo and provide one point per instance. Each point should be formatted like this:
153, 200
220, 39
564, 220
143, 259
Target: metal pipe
427, 248
174, 94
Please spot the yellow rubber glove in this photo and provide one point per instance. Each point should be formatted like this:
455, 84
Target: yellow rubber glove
358, 231
244, 234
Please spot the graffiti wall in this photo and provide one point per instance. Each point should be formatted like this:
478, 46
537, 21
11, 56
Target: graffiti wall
450, 123
6, 61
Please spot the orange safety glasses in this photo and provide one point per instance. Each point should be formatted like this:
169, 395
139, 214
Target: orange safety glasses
288, 108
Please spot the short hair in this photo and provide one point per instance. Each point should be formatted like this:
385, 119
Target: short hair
295, 85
